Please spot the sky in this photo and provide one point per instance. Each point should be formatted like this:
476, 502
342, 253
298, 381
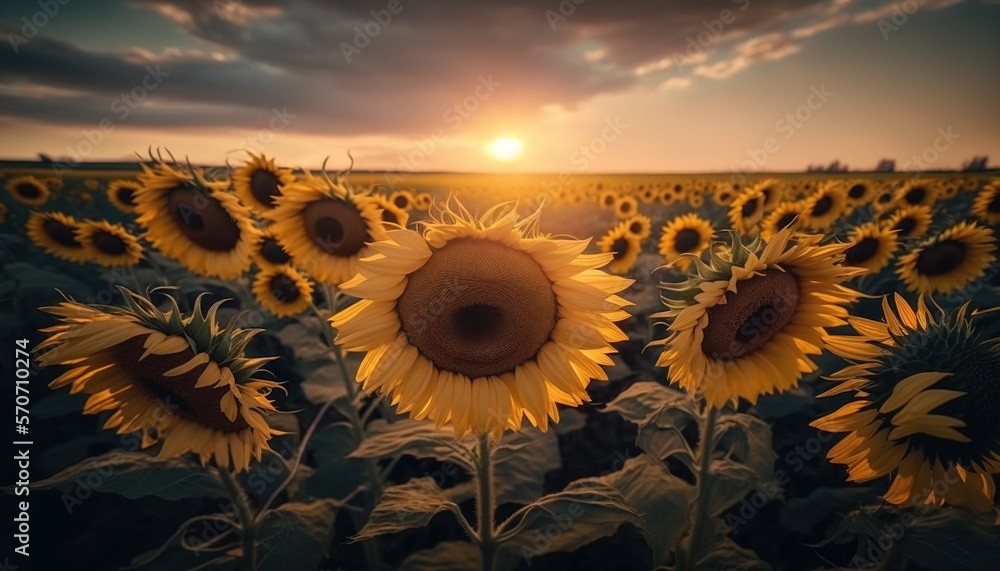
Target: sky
591, 86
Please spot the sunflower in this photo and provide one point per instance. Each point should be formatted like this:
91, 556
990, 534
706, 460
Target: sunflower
282, 291
195, 221
871, 247
987, 205
91, 183
647, 194
121, 194
745, 323
259, 182
607, 199
389, 212
481, 322
55, 233
723, 194
268, 253
825, 206
924, 388
859, 191
781, 217
28, 190
626, 206
746, 210
773, 192
109, 244
325, 228
639, 226
666, 197
687, 234
422, 201
917, 193
623, 246
696, 199
909, 221
402, 200
183, 381
884, 199
948, 261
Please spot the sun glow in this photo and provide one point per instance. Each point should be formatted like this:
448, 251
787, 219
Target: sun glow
505, 148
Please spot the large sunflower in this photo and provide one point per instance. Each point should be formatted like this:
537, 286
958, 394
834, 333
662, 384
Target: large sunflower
109, 244
909, 221
479, 322
121, 193
745, 323
28, 190
987, 205
948, 261
325, 228
623, 246
195, 221
871, 247
268, 253
687, 234
825, 206
259, 182
56, 233
181, 380
282, 291
925, 391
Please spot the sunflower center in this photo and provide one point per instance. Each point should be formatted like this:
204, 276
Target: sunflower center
478, 308
127, 196
822, 206
28, 190
284, 289
272, 251
264, 186
760, 308
177, 394
401, 202
905, 225
635, 228
686, 239
856, 191
202, 219
885, 197
941, 258
109, 243
915, 195
864, 250
389, 216
786, 220
994, 205
61, 233
619, 248
749, 208
625, 206
335, 226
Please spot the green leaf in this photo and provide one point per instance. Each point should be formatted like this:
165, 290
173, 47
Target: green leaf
445, 556
305, 339
521, 461
570, 419
803, 515
324, 384
295, 535
730, 482
336, 475
640, 401
747, 439
413, 437
588, 509
406, 506
136, 475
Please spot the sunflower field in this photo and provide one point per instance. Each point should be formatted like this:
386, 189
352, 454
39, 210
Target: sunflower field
263, 367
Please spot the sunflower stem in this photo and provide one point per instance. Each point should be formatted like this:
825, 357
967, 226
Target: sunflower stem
247, 524
486, 504
705, 448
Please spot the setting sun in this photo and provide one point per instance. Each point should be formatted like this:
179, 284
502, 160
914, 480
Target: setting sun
505, 148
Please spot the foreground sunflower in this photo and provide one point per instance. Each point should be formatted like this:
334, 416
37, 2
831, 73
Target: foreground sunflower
109, 245
924, 409
56, 233
282, 291
268, 253
623, 246
182, 381
949, 261
987, 205
121, 194
687, 234
745, 323
28, 190
194, 221
259, 182
871, 247
909, 221
325, 228
480, 322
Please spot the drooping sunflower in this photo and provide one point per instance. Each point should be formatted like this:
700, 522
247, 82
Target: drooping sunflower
987, 205
121, 194
56, 233
623, 246
325, 228
909, 221
871, 247
640, 226
388, 211
28, 190
268, 253
108, 244
949, 261
685, 234
259, 182
481, 322
282, 291
781, 217
917, 193
195, 221
825, 206
626, 206
746, 210
925, 387
182, 381
745, 323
